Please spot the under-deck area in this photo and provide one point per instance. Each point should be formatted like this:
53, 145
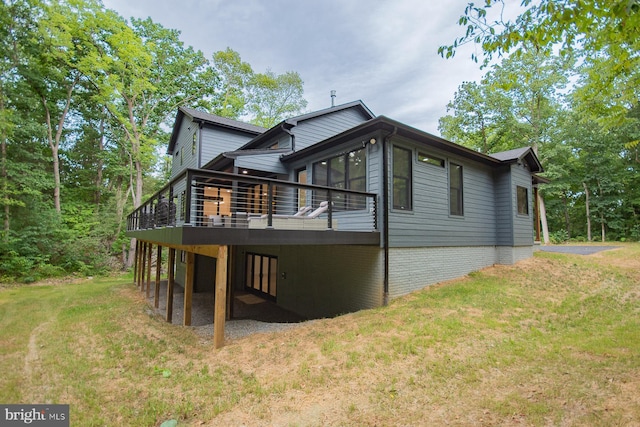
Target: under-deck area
243, 306
236, 233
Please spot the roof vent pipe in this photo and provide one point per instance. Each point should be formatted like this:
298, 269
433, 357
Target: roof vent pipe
333, 98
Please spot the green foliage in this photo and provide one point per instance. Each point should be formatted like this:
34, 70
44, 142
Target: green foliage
275, 97
584, 120
86, 99
560, 236
603, 33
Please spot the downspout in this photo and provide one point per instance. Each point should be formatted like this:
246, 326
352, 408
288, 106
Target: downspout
385, 209
200, 145
293, 137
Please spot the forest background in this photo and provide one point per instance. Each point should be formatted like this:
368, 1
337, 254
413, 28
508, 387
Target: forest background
87, 101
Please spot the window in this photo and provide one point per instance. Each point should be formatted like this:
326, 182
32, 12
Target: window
347, 171
261, 275
301, 177
430, 160
194, 143
522, 195
402, 179
455, 189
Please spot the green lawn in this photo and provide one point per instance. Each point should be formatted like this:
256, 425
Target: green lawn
554, 340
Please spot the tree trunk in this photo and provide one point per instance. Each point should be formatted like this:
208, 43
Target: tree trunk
586, 193
602, 226
54, 141
567, 222
4, 176
97, 195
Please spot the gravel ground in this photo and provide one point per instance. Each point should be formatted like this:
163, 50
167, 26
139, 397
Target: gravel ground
259, 317
239, 328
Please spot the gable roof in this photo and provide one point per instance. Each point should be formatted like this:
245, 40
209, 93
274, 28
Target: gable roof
525, 154
394, 128
198, 116
286, 125
358, 104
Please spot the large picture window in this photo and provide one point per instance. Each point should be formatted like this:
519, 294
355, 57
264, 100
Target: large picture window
455, 190
522, 195
346, 171
402, 179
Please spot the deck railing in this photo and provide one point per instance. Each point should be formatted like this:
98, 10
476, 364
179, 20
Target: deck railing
201, 198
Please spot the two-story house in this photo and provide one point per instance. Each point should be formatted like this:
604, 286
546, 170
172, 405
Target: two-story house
330, 212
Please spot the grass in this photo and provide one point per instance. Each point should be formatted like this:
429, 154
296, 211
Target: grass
554, 340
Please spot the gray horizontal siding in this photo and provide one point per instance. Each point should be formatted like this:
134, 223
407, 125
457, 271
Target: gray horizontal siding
216, 141
522, 224
183, 156
504, 207
429, 223
262, 162
312, 131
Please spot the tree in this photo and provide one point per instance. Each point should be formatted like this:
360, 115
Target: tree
602, 33
480, 118
50, 53
235, 77
275, 97
143, 75
516, 104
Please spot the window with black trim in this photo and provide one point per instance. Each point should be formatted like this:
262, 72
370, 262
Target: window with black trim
401, 171
261, 275
455, 190
430, 160
346, 171
522, 194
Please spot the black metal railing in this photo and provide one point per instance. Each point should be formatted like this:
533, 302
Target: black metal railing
202, 198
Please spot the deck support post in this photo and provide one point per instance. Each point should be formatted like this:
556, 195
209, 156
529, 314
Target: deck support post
138, 264
149, 251
143, 259
156, 299
188, 288
220, 305
170, 281
135, 263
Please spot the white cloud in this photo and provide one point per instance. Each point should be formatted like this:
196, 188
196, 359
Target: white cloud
384, 53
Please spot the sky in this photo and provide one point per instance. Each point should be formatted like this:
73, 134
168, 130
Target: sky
381, 52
